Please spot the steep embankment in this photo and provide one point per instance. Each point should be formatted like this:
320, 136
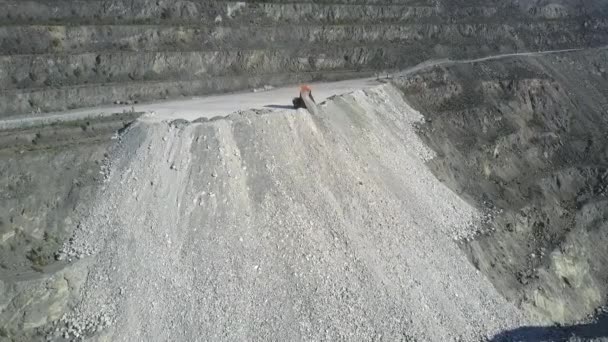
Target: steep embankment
57, 55
50, 174
281, 226
524, 138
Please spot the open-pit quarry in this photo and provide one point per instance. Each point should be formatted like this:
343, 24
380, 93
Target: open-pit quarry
450, 184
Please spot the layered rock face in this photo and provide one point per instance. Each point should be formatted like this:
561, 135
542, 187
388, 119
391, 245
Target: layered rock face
59, 55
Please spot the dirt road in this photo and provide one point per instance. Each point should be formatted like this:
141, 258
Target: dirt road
222, 105
207, 107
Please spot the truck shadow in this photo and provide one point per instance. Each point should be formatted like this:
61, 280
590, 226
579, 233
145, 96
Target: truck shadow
279, 106
596, 330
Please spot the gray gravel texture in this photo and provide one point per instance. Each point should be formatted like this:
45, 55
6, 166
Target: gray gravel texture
282, 226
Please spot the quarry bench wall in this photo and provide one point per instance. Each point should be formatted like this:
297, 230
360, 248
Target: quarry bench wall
59, 55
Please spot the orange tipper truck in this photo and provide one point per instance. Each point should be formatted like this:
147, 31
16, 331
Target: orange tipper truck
305, 92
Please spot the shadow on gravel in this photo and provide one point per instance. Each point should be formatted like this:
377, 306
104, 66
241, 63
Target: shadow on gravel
279, 106
596, 330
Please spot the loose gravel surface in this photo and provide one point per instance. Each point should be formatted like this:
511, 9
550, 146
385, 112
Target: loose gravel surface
282, 226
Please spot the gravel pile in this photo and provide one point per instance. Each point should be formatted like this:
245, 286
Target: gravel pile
283, 226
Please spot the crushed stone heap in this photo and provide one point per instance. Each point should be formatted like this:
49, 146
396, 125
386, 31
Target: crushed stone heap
282, 226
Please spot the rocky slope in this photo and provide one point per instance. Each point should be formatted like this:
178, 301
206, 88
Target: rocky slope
524, 139
284, 226
50, 174
272, 225
336, 214
51, 171
57, 55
